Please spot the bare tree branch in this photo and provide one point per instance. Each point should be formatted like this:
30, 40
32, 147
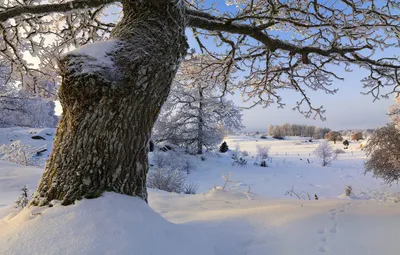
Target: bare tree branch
14, 12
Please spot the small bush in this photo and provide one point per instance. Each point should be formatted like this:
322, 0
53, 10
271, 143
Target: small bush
348, 190
23, 200
263, 163
173, 160
224, 147
325, 152
302, 195
238, 160
245, 153
262, 152
190, 189
161, 159
167, 179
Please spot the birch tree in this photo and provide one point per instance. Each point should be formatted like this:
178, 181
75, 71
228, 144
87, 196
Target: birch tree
108, 87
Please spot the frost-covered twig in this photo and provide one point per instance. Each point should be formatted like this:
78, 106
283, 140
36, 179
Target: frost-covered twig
20, 153
226, 178
300, 195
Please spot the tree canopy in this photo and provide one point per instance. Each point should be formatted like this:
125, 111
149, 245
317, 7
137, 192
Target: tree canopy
278, 44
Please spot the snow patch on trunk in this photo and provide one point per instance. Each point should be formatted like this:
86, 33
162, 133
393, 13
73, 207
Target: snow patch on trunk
93, 58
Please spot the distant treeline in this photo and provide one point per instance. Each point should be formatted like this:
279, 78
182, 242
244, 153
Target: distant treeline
297, 130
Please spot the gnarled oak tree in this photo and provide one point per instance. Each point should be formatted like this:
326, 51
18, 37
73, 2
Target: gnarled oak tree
111, 91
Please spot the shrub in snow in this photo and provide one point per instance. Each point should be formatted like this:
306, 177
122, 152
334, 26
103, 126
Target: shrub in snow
262, 151
19, 153
173, 159
190, 189
263, 163
326, 153
224, 147
203, 158
348, 190
167, 179
161, 159
300, 195
23, 200
382, 150
238, 160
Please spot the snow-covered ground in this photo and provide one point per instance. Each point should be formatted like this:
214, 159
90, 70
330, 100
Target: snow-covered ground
215, 221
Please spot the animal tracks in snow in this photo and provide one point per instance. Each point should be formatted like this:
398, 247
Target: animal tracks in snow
332, 228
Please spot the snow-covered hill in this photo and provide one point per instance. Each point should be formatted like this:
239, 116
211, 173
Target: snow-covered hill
215, 221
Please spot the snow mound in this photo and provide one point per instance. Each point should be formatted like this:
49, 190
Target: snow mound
219, 194
111, 224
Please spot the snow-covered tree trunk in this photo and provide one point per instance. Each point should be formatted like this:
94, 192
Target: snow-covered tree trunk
111, 96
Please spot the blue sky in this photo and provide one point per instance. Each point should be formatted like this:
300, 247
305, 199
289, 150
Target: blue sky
348, 109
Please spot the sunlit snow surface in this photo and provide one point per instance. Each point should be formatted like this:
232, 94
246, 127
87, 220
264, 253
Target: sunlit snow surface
215, 221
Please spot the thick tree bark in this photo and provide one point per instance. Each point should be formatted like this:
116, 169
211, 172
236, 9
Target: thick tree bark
110, 106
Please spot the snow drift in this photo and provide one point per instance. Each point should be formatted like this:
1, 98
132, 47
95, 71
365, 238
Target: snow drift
112, 224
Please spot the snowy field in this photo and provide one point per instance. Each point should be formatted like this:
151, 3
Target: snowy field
252, 215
